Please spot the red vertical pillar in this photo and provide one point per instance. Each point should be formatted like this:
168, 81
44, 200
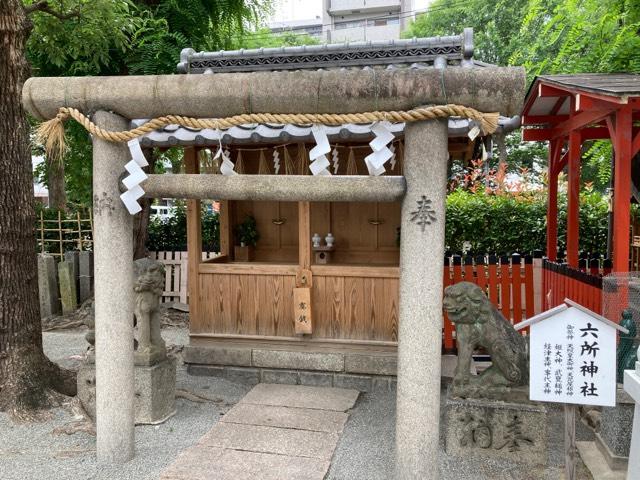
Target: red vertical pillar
573, 198
622, 189
552, 202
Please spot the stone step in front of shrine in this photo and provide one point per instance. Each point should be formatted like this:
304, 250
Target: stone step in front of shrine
276, 432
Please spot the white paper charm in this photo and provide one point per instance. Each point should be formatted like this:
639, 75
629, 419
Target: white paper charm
135, 177
136, 152
319, 162
226, 166
474, 132
381, 153
130, 199
335, 160
276, 161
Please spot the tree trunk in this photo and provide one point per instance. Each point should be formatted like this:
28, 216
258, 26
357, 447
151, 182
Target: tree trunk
502, 149
27, 378
141, 220
56, 184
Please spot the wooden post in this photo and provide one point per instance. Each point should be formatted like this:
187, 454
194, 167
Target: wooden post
42, 231
194, 239
573, 198
79, 231
226, 239
304, 235
569, 441
60, 235
622, 189
552, 203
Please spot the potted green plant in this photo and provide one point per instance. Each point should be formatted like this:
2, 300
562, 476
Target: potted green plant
247, 236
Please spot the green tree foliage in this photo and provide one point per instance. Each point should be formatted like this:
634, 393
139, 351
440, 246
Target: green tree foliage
494, 25
171, 234
576, 36
546, 37
264, 38
116, 37
84, 44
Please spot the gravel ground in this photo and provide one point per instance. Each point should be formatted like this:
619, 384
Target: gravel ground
34, 451
365, 451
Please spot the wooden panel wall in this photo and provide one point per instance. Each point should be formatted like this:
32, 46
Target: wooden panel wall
245, 304
345, 306
362, 308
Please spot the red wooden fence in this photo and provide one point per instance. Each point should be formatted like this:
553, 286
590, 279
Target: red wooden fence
507, 281
582, 285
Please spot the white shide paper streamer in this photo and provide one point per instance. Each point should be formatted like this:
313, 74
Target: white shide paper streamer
276, 161
318, 154
381, 154
226, 166
135, 178
335, 160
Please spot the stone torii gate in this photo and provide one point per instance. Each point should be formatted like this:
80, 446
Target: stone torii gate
113, 101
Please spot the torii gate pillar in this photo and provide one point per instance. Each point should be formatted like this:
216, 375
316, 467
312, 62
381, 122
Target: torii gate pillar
113, 267
420, 330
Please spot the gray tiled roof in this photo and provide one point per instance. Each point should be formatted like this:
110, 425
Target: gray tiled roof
438, 52
455, 50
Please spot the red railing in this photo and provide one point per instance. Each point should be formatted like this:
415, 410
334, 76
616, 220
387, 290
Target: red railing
582, 285
507, 281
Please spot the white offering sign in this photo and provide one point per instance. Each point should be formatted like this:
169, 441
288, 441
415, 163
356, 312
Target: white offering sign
573, 358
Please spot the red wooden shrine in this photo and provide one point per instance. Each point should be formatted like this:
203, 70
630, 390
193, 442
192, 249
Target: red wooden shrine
567, 111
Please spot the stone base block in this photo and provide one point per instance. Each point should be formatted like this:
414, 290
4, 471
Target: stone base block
614, 462
253, 376
492, 428
155, 391
614, 438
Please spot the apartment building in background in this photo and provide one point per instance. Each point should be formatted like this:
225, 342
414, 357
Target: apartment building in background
364, 20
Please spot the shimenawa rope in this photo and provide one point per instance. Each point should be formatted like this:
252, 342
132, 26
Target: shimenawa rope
51, 132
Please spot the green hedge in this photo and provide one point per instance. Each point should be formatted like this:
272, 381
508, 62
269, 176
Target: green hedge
508, 223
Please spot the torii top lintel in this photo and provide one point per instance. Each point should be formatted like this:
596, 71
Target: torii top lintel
488, 89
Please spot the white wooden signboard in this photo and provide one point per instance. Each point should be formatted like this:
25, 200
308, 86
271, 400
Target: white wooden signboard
573, 359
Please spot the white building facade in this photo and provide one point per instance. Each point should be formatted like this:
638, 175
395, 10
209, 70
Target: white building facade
364, 20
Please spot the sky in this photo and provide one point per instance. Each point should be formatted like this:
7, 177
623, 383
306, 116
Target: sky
286, 10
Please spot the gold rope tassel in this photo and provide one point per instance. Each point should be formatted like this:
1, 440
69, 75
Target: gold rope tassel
352, 167
239, 163
51, 135
263, 168
288, 163
51, 132
303, 163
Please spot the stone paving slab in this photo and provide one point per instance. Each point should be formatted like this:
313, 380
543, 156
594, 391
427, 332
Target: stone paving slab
208, 463
283, 441
276, 432
287, 417
300, 396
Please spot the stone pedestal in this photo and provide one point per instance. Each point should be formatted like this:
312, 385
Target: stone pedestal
632, 387
614, 438
155, 391
496, 429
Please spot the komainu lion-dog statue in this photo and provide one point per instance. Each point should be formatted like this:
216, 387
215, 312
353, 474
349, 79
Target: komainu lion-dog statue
479, 324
